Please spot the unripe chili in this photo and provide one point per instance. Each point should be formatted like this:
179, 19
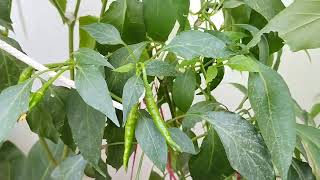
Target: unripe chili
129, 133
154, 112
25, 74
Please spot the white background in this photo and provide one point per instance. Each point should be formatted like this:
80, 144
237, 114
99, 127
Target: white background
44, 38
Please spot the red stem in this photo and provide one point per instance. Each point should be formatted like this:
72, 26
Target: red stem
171, 172
238, 176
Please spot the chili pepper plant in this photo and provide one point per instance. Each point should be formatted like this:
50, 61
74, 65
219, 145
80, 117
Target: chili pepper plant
144, 73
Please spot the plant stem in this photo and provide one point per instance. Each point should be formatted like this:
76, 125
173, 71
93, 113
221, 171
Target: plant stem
103, 8
48, 151
119, 99
176, 118
139, 167
61, 13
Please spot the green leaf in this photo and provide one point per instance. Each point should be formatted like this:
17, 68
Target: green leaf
191, 44
160, 68
70, 169
218, 79
240, 87
159, 18
182, 140
267, 8
196, 111
212, 73
300, 171
132, 91
40, 121
151, 141
116, 14
86, 41
211, 162
244, 147
242, 63
87, 125
120, 57
229, 4
127, 17
38, 165
183, 90
86, 56
182, 11
114, 134
93, 89
292, 23
5, 12
104, 33
13, 102
311, 143
10, 67
273, 106
155, 176
315, 110
55, 101
12, 162
125, 68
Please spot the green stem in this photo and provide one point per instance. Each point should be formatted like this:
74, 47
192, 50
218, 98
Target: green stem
103, 8
61, 13
54, 65
176, 118
49, 70
139, 167
48, 151
119, 99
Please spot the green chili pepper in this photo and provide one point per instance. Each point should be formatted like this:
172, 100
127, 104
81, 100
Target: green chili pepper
129, 133
25, 74
155, 114
38, 95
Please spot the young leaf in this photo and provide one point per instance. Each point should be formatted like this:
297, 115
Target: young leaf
212, 73
242, 63
12, 162
85, 40
132, 91
211, 162
10, 67
311, 143
104, 33
160, 68
191, 44
183, 90
93, 89
300, 171
87, 125
292, 23
244, 147
151, 141
268, 8
5, 12
182, 140
37, 164
272, 103
120, 57
86, 56
70, 169
13, 102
